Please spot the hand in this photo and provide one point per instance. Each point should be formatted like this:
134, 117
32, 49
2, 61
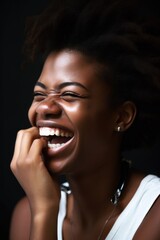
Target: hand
42, 189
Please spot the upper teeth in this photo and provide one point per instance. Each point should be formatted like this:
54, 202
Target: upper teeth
46, 131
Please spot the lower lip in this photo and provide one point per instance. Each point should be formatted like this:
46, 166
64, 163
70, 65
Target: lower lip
52, 151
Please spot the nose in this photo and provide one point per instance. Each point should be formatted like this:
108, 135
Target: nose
49, 108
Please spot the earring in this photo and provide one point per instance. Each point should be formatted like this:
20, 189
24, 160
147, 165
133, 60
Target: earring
118, 129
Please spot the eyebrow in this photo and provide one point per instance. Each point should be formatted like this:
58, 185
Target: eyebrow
40, 85
62, 85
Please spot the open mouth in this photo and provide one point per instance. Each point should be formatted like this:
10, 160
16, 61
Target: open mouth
56, 137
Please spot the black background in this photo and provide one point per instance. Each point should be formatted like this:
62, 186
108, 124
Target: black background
16, 90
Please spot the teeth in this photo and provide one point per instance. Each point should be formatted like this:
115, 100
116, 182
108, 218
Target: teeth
57, 132
53, 145
46, 131
66, 134
62, 134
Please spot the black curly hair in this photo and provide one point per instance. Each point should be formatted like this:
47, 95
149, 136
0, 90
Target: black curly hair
121, 34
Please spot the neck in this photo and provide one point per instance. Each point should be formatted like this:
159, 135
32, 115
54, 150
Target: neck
91, 192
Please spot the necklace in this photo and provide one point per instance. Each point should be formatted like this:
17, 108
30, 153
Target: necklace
106, 221
115, 198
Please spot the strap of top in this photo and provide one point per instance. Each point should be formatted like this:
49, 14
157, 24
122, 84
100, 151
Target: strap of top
132, 216
61, 214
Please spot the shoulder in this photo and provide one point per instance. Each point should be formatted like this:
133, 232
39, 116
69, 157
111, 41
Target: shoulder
143, 204
149, 196
20, 221
149, 228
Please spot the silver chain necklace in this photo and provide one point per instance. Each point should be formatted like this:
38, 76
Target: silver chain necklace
115, 198
106, 221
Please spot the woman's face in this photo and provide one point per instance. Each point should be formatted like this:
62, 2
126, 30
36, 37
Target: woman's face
71, 110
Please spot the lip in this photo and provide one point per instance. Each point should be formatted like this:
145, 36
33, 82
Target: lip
67, 147
52, 124
60, 154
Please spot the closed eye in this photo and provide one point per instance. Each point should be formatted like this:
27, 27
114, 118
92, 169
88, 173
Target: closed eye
71, 96
38, 96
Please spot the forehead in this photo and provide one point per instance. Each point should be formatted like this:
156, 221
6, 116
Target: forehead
68, 59
70, 65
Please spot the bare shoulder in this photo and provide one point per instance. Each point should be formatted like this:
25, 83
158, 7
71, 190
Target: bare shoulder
150, 227
20, 221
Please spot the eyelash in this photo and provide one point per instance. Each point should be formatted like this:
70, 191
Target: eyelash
63, 94
72, 94
68, 96
38, 94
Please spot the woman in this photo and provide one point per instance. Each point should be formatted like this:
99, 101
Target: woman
97, 96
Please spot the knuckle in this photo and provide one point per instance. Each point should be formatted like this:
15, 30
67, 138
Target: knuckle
12, 166
36, 141
20, 132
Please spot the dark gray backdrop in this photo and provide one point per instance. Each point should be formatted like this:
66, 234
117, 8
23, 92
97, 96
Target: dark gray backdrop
16, 89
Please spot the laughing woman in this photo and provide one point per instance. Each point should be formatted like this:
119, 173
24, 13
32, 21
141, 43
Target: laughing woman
97, 96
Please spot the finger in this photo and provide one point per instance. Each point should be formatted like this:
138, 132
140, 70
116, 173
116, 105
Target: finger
18, 143
26, 141
19, 146
36, 148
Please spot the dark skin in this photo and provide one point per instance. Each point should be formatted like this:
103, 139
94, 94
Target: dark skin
70, 97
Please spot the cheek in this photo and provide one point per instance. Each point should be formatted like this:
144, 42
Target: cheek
77, 113
100, 125
31, 114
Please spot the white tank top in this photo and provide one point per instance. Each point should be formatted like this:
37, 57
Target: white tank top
131, 217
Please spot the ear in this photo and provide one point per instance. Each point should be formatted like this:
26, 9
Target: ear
125, 116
